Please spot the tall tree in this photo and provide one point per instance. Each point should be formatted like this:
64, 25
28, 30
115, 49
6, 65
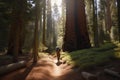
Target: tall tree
44, 22
114, 21
101, 20
5, 11
16, 29
69, 37
49, 24
108, 16
36, 42
76, 35
24, 21
118, 6
63, 14
95, 23
89, 13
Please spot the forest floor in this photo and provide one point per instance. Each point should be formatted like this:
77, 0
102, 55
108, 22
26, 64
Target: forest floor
47, 68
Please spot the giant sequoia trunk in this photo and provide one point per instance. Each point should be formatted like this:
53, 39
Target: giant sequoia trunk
76, 35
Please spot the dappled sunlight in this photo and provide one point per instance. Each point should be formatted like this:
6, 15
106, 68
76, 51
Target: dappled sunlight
43, 55
66, 57
34, 34
48, 69
117, 52
57, 71
45, 69
117, 55
93, 56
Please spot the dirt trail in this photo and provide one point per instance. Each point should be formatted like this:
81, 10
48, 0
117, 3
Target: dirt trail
48, 69
45, 69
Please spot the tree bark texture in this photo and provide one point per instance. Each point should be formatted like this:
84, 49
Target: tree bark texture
16, 28
118, 6
108, 16
36, 42
95, 24
76, 34
44, 22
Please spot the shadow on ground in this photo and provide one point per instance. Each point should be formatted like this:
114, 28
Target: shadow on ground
44, 69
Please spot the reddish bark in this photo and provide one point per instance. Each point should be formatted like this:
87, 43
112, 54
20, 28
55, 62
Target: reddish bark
76, 35
70, 37
81, 26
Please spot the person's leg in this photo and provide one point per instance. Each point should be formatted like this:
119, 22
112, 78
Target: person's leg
58, 56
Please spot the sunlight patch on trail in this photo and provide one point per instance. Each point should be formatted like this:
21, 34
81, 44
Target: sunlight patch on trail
46, 69
57, 71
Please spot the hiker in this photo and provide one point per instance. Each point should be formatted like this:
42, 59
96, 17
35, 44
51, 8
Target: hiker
58, 53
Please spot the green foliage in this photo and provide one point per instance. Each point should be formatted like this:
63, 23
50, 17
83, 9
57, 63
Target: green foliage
105, 47
43, 55
92, 57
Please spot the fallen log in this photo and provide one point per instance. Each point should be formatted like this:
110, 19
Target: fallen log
11, 67
111, 72
88, 76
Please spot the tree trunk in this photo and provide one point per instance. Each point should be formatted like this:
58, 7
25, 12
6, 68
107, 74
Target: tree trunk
16, 29
89, 13
44, 22
107, 19
36, 42
108, 16
12, 67
70, 36
23, 24
101, 17
49, 25
81, 25
76, 35
95, 24
118, 6
63, 13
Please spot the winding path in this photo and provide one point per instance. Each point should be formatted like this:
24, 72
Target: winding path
45, 69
